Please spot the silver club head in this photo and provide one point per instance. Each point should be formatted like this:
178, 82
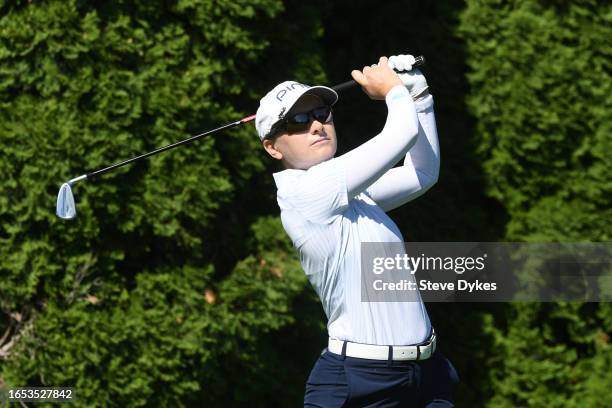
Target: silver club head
66, 208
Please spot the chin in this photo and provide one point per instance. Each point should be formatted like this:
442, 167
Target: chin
320, 158
326, 153
332, 153
322, 154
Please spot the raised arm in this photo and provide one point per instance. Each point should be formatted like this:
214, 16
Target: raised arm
421, 165
368, 162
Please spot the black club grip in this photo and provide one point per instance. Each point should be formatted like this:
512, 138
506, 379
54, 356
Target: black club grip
418, 62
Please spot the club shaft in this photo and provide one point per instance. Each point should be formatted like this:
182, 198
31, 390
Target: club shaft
163, 149
419, 61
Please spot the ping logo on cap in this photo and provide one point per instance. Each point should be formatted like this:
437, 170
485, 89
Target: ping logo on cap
290, 87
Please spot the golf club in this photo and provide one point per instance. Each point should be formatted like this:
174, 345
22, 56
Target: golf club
66, 207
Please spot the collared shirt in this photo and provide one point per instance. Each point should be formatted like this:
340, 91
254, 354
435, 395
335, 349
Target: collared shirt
327, 226
327, 230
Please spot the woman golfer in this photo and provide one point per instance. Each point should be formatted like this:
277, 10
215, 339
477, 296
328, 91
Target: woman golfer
380, 354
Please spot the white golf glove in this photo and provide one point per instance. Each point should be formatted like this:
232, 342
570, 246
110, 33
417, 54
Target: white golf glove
413, 79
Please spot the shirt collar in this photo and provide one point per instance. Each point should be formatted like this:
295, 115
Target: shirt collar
285, 177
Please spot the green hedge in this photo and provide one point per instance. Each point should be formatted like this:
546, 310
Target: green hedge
541, 92
166, 277
176, 284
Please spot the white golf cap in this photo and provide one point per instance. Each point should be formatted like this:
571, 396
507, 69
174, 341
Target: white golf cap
278, 102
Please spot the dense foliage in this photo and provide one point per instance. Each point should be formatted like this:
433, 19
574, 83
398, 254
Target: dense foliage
541, 92
176, 285
163, 287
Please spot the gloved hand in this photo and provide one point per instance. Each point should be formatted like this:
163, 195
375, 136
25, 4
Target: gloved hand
413, 79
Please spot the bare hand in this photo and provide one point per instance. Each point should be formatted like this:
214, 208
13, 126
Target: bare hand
377, 80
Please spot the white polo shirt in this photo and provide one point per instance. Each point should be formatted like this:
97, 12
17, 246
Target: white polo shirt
327, 229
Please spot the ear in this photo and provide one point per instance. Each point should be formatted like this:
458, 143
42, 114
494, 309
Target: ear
270, 146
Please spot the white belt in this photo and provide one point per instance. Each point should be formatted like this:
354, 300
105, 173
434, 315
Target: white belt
375, 352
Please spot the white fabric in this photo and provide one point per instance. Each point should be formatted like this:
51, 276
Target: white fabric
331, 208
421, 165
413, 79
277, 103
402, 62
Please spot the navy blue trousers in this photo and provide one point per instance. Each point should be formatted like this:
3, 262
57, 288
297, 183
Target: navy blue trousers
337, 381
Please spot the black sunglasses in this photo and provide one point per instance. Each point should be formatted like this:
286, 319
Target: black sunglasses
300, 121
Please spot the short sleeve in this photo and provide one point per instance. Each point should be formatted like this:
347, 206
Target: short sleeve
319, 194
